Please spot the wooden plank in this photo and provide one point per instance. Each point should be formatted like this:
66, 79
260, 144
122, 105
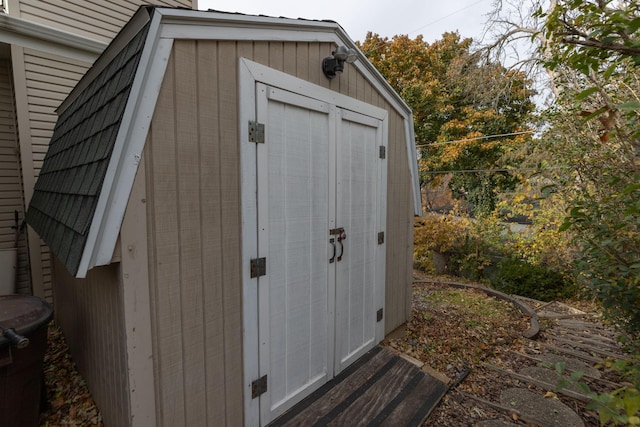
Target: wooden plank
290, 51
168, 314
89, 312
276, 55
539, 383
425, 396
577, 354
189, 231
209, 138
315, 64
379, 389
591, 349
379, 394
231, 229
137, 304
302, 61
337, 391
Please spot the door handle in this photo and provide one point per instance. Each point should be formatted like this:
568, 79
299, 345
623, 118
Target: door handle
342, 236
333, 257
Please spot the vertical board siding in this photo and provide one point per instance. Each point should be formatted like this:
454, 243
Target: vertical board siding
95, 19
11, 197
194, 237
194, 222
90, 313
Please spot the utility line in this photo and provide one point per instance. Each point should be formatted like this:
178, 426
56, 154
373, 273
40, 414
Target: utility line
493, 170
442, 18
474, 139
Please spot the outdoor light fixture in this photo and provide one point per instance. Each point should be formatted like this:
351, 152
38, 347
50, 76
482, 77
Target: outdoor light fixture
334, 65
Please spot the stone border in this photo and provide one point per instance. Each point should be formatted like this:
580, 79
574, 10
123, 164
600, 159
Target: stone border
534, 325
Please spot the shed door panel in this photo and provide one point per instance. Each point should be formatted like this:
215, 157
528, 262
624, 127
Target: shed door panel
318, 170
357, 212
294, 303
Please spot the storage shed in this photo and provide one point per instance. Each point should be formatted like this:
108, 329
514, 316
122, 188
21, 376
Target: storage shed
231, 227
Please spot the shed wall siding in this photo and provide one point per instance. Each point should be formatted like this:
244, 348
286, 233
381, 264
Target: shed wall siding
11, 197
90, 312
193, 200
96, 19
194, 222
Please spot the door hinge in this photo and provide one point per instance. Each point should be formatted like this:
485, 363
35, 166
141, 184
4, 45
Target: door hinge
383, 152
258, 267
379, 315
256, 132
381, 237
259, 387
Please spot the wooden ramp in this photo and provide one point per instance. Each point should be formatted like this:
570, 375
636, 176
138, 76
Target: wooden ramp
380, 389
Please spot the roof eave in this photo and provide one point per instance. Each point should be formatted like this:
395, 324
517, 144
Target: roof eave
29, 34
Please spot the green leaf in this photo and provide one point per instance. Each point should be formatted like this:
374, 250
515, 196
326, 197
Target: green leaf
629, 106
633, 26
586, 93
630, 189
631, 403
565, 226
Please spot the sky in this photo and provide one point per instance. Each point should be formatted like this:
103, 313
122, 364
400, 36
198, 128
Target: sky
430, 18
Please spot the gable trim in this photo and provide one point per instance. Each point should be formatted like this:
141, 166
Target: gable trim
127, 152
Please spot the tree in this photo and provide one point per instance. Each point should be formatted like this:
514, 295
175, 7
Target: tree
595, 51
453, 97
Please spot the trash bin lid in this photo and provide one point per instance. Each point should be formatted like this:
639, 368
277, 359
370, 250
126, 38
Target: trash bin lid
24, 313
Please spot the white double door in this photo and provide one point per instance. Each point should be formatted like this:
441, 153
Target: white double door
320, 210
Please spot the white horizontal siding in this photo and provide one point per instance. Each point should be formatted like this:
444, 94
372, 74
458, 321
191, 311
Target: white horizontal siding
49, 79
11, 198
95, 19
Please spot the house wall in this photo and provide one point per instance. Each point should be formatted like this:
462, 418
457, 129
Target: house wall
194, 221
95, 19
42, 82
11, 199
90, 312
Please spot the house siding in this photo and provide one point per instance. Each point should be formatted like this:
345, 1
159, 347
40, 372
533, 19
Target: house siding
90, 311
194, 221
11, 198
94, 19
48, 80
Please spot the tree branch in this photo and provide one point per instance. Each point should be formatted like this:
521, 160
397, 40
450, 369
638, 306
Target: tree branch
616, 47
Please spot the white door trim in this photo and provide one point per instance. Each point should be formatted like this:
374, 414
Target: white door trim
251, 73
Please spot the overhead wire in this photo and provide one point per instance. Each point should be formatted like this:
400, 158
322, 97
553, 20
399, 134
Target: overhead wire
457, 141
494, 170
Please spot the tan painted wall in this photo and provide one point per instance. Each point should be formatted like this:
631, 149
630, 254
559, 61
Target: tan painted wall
194, 229
90, 312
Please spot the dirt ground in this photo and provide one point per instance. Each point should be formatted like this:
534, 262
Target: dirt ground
455, 332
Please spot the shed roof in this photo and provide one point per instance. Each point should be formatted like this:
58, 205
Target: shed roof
84, 185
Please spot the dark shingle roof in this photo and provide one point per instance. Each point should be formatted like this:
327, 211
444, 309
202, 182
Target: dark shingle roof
69, 184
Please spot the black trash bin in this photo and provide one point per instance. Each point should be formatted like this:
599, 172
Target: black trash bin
21, 362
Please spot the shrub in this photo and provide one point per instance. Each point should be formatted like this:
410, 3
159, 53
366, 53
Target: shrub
515, 276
